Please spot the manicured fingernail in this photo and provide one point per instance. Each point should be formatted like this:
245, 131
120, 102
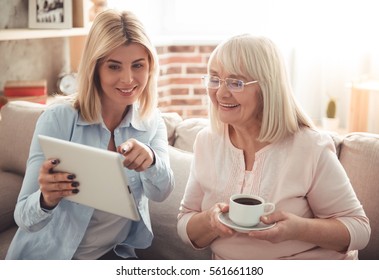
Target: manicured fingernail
75, 184
54, 161
71, 176
75, 191
125, 148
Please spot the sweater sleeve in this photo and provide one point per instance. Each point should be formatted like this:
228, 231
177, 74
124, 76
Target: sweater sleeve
332, 196
193, 195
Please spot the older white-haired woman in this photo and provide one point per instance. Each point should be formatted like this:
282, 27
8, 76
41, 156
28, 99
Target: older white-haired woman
261, 142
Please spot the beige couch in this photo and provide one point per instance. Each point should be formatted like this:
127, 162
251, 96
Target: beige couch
358, 152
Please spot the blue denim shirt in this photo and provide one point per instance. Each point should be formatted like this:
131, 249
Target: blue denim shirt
56, 234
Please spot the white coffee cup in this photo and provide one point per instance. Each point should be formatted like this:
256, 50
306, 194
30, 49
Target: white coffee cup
246, 210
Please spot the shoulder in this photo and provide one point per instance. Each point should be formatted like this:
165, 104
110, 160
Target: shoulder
57, 114
206, 138
154, 120
204, 134
313, 139
61, 109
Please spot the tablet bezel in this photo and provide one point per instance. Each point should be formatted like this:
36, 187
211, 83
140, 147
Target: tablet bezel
100, 173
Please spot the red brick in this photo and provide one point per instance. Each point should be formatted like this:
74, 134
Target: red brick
174, 70
200, 91
192, 58
179, 91
196, 69
178, 49
186, 101
185, 80
206, 49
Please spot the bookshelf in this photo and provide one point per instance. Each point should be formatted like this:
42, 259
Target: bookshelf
76, 37
25, 33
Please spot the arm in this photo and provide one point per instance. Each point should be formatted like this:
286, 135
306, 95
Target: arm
325, 233
29, 214
157, 179
203, 228
339, 221
198, 223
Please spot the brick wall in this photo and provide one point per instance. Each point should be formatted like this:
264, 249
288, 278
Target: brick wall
179, 85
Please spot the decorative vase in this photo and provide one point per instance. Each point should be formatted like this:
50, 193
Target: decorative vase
330, 124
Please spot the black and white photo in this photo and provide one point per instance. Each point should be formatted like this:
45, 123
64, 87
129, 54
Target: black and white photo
50, 13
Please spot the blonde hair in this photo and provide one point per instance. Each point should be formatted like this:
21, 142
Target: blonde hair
257, 58
110, 30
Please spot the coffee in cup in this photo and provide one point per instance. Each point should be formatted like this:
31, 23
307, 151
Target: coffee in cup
246, 210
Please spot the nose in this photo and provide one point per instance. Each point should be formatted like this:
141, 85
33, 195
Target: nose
223, 89
127, 76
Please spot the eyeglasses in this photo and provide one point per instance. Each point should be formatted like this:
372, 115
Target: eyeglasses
234, 85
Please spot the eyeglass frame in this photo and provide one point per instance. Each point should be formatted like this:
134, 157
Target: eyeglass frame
205, 77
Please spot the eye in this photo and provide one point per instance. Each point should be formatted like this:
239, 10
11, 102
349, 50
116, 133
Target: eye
137, 65
213, 80
235, 83
114, 66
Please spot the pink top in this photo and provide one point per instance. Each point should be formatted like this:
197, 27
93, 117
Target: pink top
300, 174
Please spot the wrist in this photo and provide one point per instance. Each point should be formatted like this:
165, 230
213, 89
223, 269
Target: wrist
44, 205
154, 158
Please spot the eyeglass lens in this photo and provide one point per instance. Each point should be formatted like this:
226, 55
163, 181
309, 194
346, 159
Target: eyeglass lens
213, 82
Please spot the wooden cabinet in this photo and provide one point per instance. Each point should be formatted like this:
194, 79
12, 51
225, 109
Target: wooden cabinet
364, 105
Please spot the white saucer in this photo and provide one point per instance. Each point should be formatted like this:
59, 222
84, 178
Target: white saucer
224, 218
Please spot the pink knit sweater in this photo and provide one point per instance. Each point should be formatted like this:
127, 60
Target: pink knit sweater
301, 175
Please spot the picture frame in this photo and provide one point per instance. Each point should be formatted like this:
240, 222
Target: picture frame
50, 14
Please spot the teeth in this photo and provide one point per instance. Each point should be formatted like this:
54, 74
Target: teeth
228, 105
126, 90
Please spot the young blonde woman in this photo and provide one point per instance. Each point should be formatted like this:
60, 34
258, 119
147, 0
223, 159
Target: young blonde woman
114, 109
260, 142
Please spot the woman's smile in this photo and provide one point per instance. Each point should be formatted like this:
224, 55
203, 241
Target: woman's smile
127, 91
228, 106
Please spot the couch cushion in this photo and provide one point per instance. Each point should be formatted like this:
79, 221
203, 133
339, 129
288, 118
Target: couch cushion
186, 132
10, 185
16, 128
171, 120
5, 240
17, 125
167, 243
360, 157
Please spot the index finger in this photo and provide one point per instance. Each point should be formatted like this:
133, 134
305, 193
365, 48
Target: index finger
126, 147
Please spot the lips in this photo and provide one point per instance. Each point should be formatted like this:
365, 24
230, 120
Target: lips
126, 91
228, 106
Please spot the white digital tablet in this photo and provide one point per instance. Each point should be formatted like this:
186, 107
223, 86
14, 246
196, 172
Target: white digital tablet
100, 173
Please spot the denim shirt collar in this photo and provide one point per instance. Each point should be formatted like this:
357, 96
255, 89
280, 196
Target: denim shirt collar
132, 118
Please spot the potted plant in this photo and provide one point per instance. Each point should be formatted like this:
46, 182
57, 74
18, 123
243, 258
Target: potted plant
331, 122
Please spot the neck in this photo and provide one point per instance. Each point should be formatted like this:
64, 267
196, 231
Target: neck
243, 138
113, 118
246, 140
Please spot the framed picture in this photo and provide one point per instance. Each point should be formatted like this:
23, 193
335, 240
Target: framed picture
50, 14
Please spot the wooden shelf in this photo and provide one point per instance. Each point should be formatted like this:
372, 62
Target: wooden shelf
23, 34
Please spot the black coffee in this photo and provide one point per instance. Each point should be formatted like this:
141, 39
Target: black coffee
247, 201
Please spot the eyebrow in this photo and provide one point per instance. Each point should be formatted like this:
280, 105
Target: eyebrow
119, 62
213, 72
